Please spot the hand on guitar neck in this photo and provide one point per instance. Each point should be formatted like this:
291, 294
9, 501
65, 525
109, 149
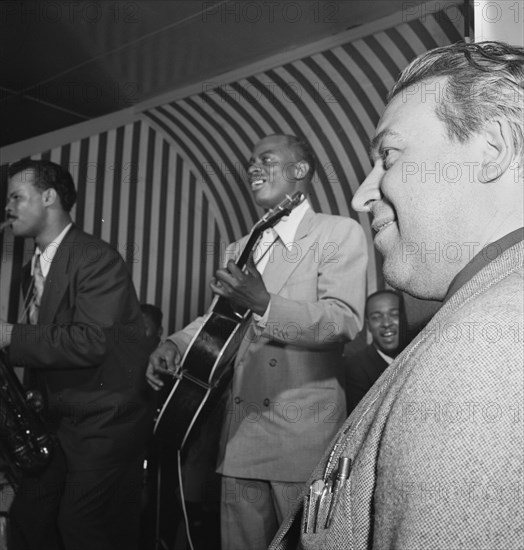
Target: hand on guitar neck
165, 360
245, 288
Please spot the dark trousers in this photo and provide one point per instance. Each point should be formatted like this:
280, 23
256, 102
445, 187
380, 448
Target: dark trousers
78, 510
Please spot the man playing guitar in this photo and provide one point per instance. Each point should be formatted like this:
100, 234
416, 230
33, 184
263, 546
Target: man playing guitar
286, 399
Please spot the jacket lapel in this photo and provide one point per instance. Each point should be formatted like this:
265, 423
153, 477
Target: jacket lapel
278, 272
57, 282
284, 262
377, 365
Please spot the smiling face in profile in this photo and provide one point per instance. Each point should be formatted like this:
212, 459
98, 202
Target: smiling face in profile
422, 193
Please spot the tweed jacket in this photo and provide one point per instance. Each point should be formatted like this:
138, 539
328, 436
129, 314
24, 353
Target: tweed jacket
88, 354
287, 393
437, 445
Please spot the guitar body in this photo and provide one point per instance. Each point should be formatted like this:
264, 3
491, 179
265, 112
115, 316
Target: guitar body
207, 365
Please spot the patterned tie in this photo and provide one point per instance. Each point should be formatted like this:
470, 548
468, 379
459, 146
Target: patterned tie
38, 289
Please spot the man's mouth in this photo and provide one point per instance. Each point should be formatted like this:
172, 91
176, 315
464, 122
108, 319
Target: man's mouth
256, 183
379, 225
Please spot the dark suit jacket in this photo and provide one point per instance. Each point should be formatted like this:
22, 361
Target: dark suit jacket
88, 354
363, 369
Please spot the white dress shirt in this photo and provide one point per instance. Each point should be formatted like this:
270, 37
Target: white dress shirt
285, 230
47, 255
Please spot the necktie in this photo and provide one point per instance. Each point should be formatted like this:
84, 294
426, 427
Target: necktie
38, 289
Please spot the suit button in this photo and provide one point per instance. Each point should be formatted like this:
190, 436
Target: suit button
273, 362
238, 400
266, 402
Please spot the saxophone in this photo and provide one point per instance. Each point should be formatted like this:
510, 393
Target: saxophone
23, 435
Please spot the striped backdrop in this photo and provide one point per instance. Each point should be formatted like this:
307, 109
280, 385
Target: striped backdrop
168, 189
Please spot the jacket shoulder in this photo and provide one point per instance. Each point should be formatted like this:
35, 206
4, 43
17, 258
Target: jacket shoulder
84, 249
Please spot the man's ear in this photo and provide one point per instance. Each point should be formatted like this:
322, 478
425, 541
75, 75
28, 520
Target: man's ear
499, 150
301, 169
49, 196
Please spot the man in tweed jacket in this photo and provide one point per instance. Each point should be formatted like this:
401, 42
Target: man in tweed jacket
432, 457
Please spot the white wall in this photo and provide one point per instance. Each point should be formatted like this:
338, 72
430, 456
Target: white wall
499, 20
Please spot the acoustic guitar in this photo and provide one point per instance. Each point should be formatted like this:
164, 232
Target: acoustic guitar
207, 365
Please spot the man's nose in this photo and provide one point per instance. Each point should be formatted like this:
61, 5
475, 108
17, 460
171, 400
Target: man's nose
368, 192
387, 320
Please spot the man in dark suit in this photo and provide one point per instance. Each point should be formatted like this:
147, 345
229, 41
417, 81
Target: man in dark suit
84, 348
382, 318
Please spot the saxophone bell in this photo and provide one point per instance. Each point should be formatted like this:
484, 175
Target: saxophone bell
23, 436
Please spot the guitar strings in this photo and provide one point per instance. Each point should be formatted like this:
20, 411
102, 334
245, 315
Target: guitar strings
266, 251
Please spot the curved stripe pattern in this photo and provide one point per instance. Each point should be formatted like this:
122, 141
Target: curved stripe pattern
168, 189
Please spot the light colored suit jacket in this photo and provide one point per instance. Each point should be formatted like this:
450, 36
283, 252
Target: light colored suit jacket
437, 444
287, 396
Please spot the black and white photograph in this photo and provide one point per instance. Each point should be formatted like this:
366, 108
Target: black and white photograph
262, 275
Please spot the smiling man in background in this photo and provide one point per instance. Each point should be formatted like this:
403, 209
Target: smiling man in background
383, 320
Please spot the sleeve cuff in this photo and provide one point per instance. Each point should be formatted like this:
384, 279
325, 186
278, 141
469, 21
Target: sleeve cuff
261, 320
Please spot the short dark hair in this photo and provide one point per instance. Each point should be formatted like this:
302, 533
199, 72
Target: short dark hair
303, 151
484, 80
154, 312
379, 293
48, 175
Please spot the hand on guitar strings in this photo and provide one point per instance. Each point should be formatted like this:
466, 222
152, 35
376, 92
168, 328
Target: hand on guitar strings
164, 361
245, 288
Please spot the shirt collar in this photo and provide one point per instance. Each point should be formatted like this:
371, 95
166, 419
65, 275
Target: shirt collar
287, 227
386, 358
49, 252
489, 253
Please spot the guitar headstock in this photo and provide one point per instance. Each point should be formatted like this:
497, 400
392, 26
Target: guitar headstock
282, 209
269, 220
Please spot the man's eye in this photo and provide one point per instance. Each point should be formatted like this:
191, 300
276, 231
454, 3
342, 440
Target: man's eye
387, 161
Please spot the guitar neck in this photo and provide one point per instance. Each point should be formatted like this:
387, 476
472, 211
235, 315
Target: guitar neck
261, 226
223, 306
